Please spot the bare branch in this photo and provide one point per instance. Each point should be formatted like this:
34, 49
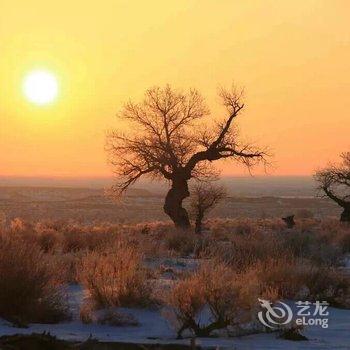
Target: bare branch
204, 197
334, 181
165, 139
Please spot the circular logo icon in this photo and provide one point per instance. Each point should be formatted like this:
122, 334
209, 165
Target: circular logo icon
274, 315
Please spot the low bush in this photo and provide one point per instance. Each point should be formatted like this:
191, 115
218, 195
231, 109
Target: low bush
29, 289
182, 242
115, 277
312, 246
300, 278
86, 312
215, 288
242, 251
77, 238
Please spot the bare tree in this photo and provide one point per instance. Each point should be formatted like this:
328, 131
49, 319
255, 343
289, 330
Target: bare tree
204, 197
334, 181
169, 139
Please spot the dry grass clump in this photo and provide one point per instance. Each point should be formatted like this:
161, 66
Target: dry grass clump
312, 246
76, 238
29, 289
47, 236
150, 238
115, 277
215, 288
68, 265
262, 241
242, 251
69, 238
223, 229
182, 242
17, 225
335, 233
226, 228
64, 237
300, 278
86, 312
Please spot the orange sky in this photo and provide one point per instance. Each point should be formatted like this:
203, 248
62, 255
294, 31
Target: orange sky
292, 56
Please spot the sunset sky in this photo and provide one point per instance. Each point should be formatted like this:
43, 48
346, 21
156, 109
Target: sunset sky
292, 57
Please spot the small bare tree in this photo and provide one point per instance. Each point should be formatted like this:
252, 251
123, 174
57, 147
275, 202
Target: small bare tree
334, 181
204, 197
169, 139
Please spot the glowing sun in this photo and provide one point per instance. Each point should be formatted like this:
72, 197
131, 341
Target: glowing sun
40, 87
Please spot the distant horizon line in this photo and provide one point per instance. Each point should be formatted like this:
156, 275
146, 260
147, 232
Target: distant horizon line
88, 177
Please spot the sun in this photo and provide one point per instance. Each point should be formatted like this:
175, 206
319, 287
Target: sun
40, 87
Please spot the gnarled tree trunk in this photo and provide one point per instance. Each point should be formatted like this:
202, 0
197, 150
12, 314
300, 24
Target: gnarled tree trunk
173, 203
345, 215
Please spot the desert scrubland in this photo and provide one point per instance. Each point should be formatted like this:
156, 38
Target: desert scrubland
197, 285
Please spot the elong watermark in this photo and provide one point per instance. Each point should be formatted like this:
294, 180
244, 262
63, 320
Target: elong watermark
307, 313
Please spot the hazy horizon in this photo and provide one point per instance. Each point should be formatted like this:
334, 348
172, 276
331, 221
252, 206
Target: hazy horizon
108, 180
288, 186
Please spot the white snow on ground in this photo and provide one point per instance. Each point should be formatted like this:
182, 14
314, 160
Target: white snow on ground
155, 329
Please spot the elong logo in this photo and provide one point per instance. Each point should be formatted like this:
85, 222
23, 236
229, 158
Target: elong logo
273, 316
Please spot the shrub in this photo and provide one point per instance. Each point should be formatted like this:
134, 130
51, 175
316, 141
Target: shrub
86, 312
68, 265
299, 278
217, 288
242, 251
18, 225
183, 242
29, 290
48, 240
76, 239
225, 228
312, 246
115, 277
